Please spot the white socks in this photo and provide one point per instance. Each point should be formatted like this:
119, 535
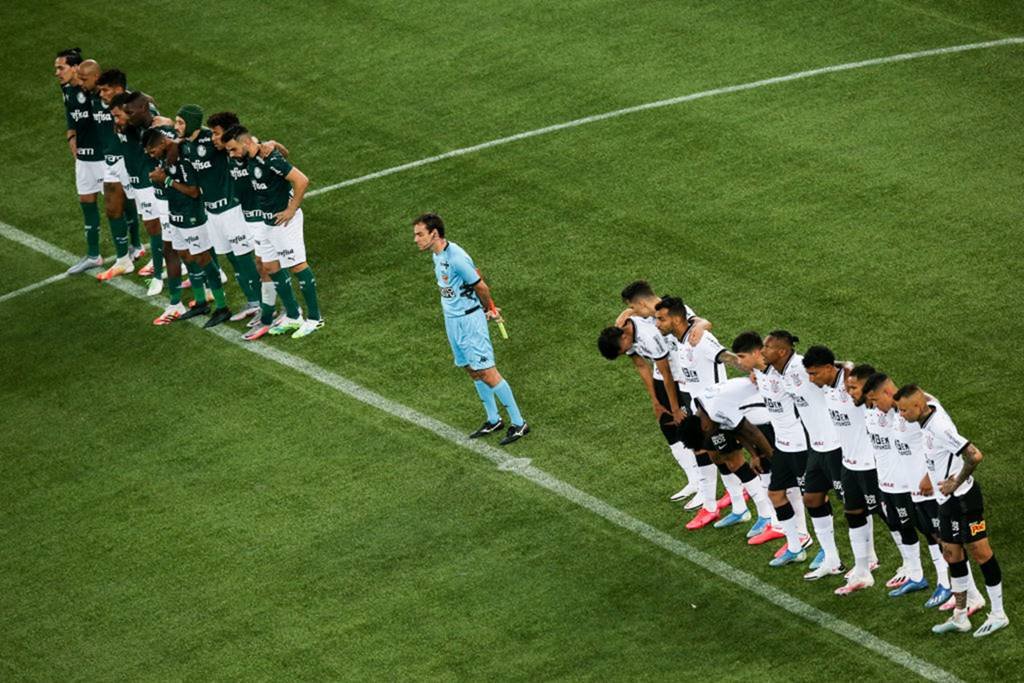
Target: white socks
734, 486
912, 560
941, 568
687, 461
796, 499
860, 543
708, 486
824, 529
759, 495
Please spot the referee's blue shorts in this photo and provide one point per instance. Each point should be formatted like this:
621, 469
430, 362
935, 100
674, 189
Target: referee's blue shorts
470, 340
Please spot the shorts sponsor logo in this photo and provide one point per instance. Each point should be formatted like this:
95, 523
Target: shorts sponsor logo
237, 239
954, 526
286, 253
977, 527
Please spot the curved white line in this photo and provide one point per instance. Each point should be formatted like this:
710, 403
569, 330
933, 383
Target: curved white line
666, 103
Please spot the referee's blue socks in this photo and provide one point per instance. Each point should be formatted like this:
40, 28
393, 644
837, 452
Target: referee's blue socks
504, 393
487, 398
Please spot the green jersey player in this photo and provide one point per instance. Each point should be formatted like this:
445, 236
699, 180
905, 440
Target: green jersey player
187, 216
229, 232
83, 141
280, 188
115, 177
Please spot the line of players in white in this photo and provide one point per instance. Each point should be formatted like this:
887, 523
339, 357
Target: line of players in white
812, 425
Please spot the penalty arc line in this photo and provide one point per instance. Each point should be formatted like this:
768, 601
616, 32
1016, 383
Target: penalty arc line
523, 468
799, 75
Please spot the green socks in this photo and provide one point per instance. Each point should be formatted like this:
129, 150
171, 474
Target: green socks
245, 270
197, 280
132, 219
91, 214
284, 291
119, 231
212, 273
307, 283
174, 289
156, 250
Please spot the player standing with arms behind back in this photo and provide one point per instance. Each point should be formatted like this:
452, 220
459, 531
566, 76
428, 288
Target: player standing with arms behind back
467, 306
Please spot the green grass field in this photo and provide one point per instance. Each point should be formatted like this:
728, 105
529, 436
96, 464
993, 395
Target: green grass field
177, 508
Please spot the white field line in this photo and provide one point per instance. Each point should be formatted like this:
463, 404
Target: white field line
33, 286
849, 66
523, 468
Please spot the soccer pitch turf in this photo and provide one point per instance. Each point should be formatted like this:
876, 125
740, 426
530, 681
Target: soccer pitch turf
177, 507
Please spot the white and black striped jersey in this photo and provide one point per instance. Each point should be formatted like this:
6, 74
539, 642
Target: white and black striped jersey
789, 432
944, 449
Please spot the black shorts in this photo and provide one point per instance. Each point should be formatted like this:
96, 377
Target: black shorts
824, 471
926, 516
860, 490
962, 518
788, 470
897, 510
670, 431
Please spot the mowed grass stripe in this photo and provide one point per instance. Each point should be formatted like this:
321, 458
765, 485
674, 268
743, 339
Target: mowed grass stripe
658, 104
521, 467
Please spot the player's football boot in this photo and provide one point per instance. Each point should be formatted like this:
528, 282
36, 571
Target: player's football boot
788, 558
759, 527
122, 266
285, 326
872, 566
220, 315
696, 502
769, 533
254, 333
726, 500
249, 310
308, 327
170, 314
515, 432
823, 570
84, 264
805, 542
135, 253
958, 623
973, 604
818, 559
684, 492
992, 624
487, 428
898, 579
939, 596
146, 270
909, 587
854, 583
701, 519
156, 285
196, 310
733, 519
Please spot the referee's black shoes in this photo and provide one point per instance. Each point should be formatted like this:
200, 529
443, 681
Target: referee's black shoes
487, 428
515, 432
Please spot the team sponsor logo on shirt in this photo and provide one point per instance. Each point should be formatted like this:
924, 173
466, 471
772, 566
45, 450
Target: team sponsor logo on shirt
79, 114
773, 406
201, 165
902, 448
217, 204
839, 419
880, 443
